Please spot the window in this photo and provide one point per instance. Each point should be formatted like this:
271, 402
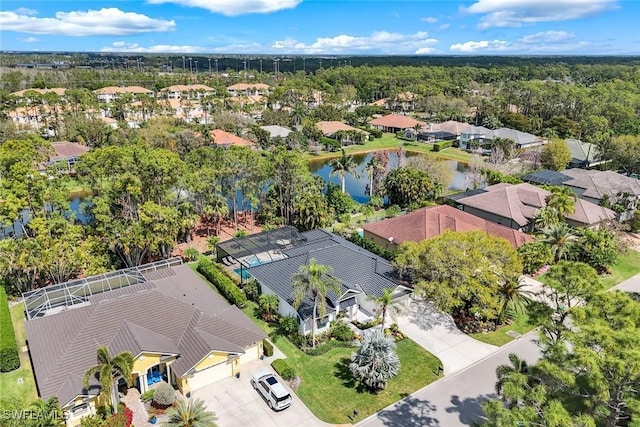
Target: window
264, 386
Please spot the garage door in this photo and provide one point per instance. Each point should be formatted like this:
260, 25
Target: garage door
250, 355
211, 375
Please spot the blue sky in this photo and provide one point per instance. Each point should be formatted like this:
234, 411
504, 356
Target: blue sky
315, 27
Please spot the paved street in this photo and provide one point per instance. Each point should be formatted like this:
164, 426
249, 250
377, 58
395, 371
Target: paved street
438, 334
630, 285
454, 400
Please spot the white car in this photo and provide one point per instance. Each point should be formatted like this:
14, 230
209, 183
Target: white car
277, 397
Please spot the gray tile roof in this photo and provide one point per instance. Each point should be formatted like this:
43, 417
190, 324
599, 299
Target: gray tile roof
597, 183
175, 314
356, 268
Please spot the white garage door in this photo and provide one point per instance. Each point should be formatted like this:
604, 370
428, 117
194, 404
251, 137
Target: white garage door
250, 354
211, 375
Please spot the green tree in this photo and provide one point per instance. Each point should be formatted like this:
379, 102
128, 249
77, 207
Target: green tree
562, 200
514, 297
408, 186
560, 239
343, 166
555, 155
460, 272
109, 369
546, 217
597, 247
268, 304
314, 281
375, 361
534, 256
506, 375
191, 413
623, 153
387, 305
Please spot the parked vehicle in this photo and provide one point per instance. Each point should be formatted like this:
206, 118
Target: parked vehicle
276, 395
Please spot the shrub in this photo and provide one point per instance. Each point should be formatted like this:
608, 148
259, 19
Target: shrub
190, 254
289, 325
393, 210
124, 417
376, 133
9, 356
283, 369
93, 420
441, 145
341, 331
268, 348
164, 396
252, 289
372, 246
147, 396
330, 144
222, 282
327, 346
496, 177
598, 248
534, 256
241, 233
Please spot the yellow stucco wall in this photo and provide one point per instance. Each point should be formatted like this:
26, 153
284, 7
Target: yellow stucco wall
211, 359
73, 420
146, 360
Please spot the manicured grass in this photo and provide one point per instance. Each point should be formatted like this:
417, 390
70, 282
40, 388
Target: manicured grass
627, 265
499, 337
327, 387
19, 385
390, 142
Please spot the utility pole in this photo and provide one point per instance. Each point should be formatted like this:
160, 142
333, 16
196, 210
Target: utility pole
196, 66
261, 65
244, 65
191, 65
320, 63
209, 65
304, 65
184, 64
216, 66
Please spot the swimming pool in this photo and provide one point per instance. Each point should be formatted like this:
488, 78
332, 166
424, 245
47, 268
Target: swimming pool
242, 273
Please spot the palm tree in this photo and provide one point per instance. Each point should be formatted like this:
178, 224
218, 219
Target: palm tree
191, 413
212, 245
560, 239
370, 168
314, 280
375, 361
546, 217
562, 200
269, 304
387, 305
342, 166
506, 373
513, 295
108, 370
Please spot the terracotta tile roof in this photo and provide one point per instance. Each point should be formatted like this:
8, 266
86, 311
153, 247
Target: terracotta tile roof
176, 313
64, 149
246, 86
331, 127
396, 121
187, 88
433, 221
121, 89
58, 90
521, 202
224, 138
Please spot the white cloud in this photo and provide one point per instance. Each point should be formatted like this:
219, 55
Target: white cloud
380, 41
425, 51
235, 7
25, 11
444, 26
122, 46
548, 37
515, 13
29, 40
249, 47
483, 45
106, 21
429, 19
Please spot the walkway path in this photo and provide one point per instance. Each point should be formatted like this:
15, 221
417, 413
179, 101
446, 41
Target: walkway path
632, 284
438, 334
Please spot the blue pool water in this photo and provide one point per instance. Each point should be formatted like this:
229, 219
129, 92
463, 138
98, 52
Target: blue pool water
242, 273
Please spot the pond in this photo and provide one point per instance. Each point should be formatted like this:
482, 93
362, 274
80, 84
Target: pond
357, 187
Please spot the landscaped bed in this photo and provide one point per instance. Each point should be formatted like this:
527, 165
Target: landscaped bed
499, 337
327, 387
627, 265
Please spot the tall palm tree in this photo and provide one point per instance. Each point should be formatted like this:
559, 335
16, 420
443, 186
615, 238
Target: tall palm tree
314, 280
513, 295
562, 200
506, 373
343, 165
370, 168
191, 413
560, 239
387, 305
109, 369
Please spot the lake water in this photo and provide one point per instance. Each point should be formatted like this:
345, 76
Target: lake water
357, 187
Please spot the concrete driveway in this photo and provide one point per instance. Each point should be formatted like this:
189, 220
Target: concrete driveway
237, 404
438, 334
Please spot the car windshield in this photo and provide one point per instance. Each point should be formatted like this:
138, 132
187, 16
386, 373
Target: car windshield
271, 380
283, 398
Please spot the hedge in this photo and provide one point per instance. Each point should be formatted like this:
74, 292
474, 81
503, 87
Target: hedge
222, 282
268, 348
9, 355
439, 146
283, 369
372, 246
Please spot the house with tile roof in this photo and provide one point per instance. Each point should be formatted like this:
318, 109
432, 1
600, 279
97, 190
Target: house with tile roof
428, 222
277, 131
195, 91
248, 89
516, 206
583, 154
225, 139
480, 136
65, 156
363, 276
178, 330
395, 123
111, 93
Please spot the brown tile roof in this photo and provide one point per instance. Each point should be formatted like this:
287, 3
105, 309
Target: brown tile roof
246, 86
64, 149
122, 89
331, 127
432, 221
597, 183
224, 138
521, 202
450, 126
396, 121
176, 313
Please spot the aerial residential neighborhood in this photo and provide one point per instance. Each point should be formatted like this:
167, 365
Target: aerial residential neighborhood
292, 213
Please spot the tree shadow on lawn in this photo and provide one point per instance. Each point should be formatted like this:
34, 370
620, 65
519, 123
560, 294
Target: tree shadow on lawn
343, 373
470, 409
410, 411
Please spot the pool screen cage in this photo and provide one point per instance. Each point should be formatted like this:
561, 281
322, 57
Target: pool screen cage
51, 299
260, 245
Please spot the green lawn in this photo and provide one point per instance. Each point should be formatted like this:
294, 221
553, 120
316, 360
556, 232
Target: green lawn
327, 387
499, 337
19, 385
627, 265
